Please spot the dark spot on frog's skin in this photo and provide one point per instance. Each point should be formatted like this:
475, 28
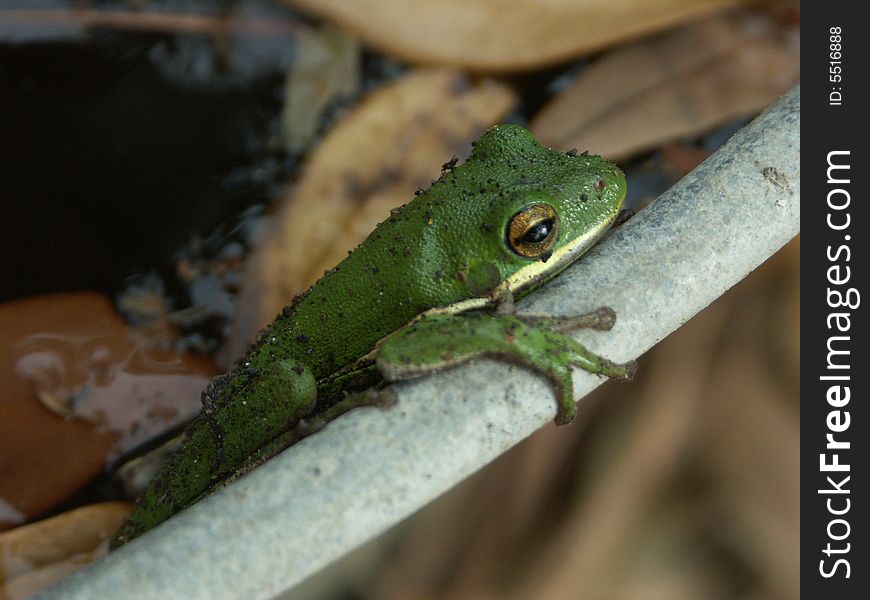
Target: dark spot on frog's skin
572, 152
298, 369
474, 143
438, 275
406, 251
447, 357
584, 153
600, 185
546, 256
418, 191
302, 338
450, 164
486, 227
340, 314
323, 316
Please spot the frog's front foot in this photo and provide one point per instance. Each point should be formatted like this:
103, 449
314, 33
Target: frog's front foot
539, 343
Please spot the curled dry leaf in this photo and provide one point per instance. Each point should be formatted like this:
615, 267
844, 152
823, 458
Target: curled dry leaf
38, 555
679, 85
370, 162
494, 35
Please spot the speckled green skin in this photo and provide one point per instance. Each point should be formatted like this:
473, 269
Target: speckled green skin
447, 245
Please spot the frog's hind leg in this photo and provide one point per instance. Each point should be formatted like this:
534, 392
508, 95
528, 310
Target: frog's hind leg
332, 402
241, 411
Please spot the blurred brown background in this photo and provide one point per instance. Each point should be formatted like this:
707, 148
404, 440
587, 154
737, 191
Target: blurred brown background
226, 155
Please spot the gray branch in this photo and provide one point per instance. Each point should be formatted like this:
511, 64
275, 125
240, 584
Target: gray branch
373, 467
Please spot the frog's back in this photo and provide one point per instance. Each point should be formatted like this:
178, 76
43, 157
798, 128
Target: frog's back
423, 256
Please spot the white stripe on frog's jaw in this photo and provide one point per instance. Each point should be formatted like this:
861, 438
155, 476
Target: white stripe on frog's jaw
536, 272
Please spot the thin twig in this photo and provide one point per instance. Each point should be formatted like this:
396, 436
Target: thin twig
150, 21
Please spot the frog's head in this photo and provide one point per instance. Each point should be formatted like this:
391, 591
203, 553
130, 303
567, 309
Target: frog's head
550, 206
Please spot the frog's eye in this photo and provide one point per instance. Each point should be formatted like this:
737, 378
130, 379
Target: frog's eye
533, 231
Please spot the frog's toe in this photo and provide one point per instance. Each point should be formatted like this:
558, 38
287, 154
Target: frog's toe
629, 370
602, 318
606, 318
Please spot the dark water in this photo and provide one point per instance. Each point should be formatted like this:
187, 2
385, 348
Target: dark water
107, 165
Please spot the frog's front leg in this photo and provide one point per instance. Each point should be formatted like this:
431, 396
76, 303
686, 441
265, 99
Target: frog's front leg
601, 319
442, 341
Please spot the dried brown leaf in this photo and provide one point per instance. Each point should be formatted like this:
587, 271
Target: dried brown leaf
35, 556
494, 35
76, 389
676, 86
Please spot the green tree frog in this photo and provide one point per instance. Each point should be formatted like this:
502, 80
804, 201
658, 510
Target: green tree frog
431, 287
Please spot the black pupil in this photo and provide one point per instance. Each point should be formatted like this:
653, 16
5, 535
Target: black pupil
538, 233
